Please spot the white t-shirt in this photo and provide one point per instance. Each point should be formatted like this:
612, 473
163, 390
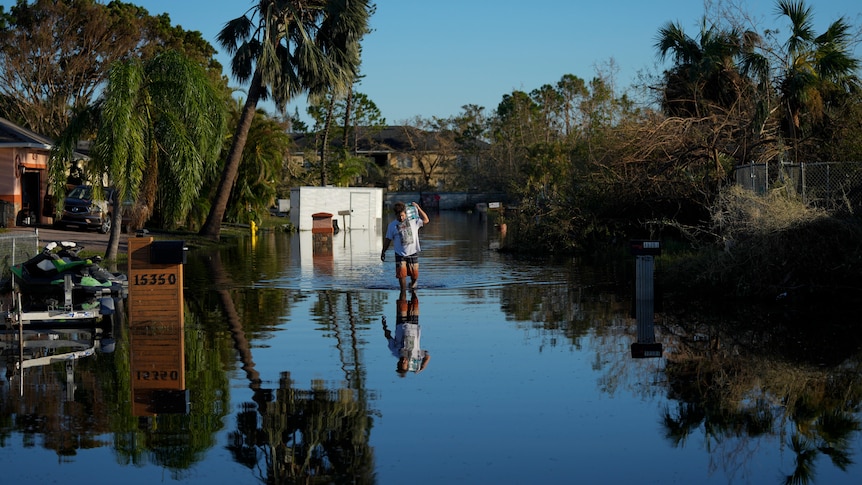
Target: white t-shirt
405, 235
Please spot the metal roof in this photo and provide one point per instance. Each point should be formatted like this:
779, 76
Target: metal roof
14, 136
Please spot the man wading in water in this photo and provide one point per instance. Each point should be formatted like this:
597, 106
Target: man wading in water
404, 231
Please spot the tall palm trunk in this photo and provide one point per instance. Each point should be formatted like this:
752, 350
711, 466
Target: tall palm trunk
146, 203
212, 226
346, 137
326, 126
113, 249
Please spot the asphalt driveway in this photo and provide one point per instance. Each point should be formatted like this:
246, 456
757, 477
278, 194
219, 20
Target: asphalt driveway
90, 240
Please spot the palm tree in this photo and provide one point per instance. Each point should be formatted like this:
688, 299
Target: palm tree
159, 122
706, 70
816, 69
714, 79
294, 46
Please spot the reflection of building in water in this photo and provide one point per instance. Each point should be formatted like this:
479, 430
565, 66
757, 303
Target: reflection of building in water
346, 249
405, 344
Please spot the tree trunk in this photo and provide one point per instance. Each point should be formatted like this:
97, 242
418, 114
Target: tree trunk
212, 227
113, 249
326, 124
346, 137
144, 207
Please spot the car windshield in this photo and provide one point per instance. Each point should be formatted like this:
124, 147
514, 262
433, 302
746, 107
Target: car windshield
85, 192
81, 192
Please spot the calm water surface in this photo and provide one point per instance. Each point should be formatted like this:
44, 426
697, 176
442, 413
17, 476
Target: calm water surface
530, 379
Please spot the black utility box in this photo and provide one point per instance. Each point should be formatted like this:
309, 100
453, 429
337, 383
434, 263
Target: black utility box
168, 252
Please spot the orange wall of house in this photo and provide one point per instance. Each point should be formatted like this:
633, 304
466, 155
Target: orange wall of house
11, 162
9, 183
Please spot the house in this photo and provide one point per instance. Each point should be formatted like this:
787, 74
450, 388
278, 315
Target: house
23, 175
410, 158
25, 194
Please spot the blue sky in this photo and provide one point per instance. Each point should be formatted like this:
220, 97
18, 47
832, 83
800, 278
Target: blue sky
429, 58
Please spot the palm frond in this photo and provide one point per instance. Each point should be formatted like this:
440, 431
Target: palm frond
235, 31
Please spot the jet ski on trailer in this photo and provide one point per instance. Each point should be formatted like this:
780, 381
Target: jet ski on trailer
57, 279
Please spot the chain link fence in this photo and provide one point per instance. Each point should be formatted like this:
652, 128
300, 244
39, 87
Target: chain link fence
15, 248
834, 186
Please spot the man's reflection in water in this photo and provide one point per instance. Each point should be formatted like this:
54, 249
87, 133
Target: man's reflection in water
405, 344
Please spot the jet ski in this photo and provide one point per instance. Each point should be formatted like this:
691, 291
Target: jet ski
57, 278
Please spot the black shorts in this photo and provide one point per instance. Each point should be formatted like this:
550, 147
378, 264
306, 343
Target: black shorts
412, 259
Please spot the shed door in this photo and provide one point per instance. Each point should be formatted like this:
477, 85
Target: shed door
360, 205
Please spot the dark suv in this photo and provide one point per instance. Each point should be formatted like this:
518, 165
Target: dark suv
81, 211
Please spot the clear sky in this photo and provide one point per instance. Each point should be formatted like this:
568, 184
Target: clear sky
429, 58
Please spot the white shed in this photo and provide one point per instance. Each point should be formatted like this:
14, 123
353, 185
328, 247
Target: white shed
355, 208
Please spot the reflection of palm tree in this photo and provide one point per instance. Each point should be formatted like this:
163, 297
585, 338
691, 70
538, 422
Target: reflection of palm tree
222, 287
830, 434
319, 432
678, 427
805, 455
836, 429
729, 400
349, 355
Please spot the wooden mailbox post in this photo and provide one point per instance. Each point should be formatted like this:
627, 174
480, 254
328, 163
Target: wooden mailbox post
156, 326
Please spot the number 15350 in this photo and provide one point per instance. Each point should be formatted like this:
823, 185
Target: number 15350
155, 279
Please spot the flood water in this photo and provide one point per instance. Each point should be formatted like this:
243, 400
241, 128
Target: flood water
518, 371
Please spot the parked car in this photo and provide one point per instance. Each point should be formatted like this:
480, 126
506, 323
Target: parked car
81, 211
